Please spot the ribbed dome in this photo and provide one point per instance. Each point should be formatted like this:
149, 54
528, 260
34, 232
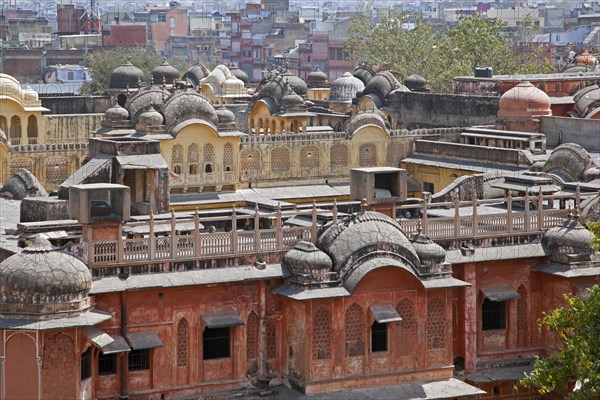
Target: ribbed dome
524, 101
126, 75
296, 83
416, 83
227, 121
150, 117
570, 162
233, 86
240, 74
591, 209
196, 73
116, 113
11, 87
43, 282
365, 118
317, 78
382, 84
364, 73
569, 238
141, 100
305, 256
429, 253
166, 73
368, 230
185, 105
291, 101
345, 88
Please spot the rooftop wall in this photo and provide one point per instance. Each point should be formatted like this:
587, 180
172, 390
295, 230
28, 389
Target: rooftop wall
584, 132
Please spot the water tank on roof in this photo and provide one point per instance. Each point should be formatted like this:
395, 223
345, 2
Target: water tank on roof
484, 72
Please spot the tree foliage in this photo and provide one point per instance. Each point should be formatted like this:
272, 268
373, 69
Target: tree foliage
407, 44
578, 361
102, 62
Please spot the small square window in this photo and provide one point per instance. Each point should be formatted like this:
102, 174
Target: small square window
107, 364
378, 337
139, 360
216, 343
493, 315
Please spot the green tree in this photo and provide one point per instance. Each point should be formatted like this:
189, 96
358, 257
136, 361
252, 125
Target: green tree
407, 44
577, 363
102, 62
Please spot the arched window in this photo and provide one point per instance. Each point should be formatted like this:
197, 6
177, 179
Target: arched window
58, 352
182, 342
57, 169
282, 127
228, 158
32, 130
321, 334
208, 154
252, 336
260, 126
122, 99
367, 155
309, 157
280, 159
338, 156
177, 159
353, 328
272, 339
267, 126
3, 124
273, 127
193, 158
436, 324
15, 130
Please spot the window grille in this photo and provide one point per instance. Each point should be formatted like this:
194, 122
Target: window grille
338, 156
208, 153
21, 163
250, 160
321, 340
280, 159
182, 342
367, 155
57, 169
436, 324
272, 339
107, 364
177, 159
193, 159
252, 336
493, 315
86, 364
378, 337
139, 360
353, 328
395, 153
216, 343
309, 157
406, 311
228, 157
522, 309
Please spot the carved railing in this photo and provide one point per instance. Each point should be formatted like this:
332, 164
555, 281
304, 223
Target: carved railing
267, 233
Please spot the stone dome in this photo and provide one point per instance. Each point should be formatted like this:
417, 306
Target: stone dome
233, 86
226, 119
273, 89
306, 258
240, 74
345, 88
317, 78
365, 118
296, 83
126, 75
196, 73
186, 105
43, 282
150, 117
166, 73
11, 87
382, 84
570, 162
524, 101
590, 209
116, 113
429, 252
364, 73
363, 233
144, 98
587, 100
291, 101
416, 83
569, 238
